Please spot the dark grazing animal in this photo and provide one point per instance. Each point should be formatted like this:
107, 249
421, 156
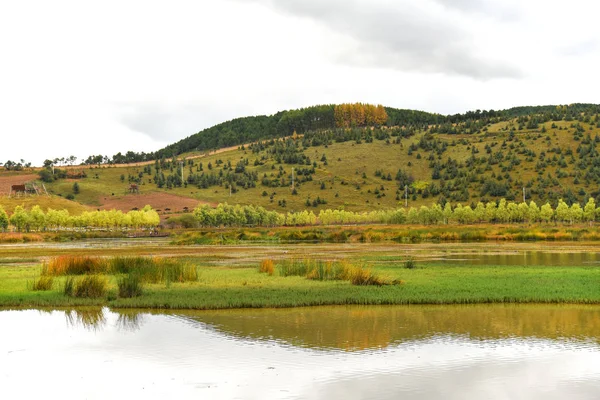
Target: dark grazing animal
18, 188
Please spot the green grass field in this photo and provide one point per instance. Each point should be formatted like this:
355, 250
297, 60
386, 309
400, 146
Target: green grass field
228, 277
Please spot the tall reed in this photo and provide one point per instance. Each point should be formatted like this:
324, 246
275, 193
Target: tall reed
153, 269
267, 267
43, 283
329, 270
76, 265
293, 267
91, 286
69, 286
130, 286
148, 269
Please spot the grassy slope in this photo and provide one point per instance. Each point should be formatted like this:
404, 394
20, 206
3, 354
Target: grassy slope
347, 162
55, 202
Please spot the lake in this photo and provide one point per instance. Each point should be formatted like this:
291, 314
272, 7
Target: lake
376, 352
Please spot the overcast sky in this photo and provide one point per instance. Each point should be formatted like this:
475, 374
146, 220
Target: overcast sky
81, 77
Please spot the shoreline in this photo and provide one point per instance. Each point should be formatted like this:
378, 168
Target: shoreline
354, 233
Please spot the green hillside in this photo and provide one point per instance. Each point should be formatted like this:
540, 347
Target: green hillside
548, 152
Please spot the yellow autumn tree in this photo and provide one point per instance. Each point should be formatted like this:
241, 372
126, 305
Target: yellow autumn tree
359, 114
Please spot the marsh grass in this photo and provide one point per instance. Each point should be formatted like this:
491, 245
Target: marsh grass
391, 233
243, 287
146, 269
88, 286
410, 263
294, 267
167, 270
154, 269
20, 238
125, 265
43, 283
91, 286
267, 267
320, 270
130, 285
69, 286
361, 276
75, 265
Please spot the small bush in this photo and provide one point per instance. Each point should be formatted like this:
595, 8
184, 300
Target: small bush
130, 286
91, 286
410, 264
267, 267
43, 283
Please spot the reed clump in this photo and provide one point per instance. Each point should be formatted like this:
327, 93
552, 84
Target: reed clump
410, 263
294, 267
267, 267
148, 269
20, 238
75, 265
154, 269
361, 276
319, 270
90, 286
69, 286
43, 283
130, 286
331, 270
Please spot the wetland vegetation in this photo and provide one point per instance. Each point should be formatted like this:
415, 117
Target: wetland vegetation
156, 274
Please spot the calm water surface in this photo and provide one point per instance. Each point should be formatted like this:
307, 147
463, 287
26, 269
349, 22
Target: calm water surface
424, 352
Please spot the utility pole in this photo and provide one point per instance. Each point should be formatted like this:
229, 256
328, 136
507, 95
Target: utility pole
405, 195
523, 194
292, 178
181, 163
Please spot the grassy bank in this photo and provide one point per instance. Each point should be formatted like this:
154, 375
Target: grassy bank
220, 287
340, 234
389, 233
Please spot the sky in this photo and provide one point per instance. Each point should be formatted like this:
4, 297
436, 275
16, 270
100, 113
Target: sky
81, 77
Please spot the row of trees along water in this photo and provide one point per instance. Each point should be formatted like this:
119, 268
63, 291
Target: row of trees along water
36, 220
491, 212
236, 215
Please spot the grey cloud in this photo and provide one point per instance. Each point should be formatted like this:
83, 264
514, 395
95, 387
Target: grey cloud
403, 35
169, 124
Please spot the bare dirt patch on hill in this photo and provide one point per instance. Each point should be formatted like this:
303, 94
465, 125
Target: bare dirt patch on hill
6, 181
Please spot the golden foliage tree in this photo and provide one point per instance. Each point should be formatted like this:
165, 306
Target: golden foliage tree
359, 114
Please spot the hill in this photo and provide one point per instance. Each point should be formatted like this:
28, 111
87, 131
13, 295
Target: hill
544, 153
